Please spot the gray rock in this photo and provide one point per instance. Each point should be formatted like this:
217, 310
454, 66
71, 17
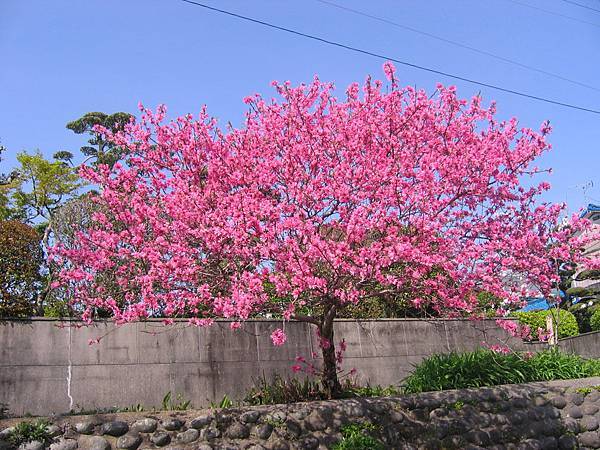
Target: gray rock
116, 428
33, 445
264, 431
5, 434
93, 443
204, 447
559, 402
255, 447
129, 441
589, 408
86, 427
293, 428
318, 420
575, 397
396, 417
567, 442
571, 425
201, 421
574, 412
478, 437
519, 402
588, 423
278, 444
238, 431
540, 400
276, 416
64, 444
250, 416
160, 438
530, 444
593, 396
6, 445
378, 407
309, 443
210, 433
299, 414
437, 412
53, 430
549, 443
589, 439
146, 425
187, 437
354, 410
171, 424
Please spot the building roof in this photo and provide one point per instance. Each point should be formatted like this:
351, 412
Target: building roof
591, 208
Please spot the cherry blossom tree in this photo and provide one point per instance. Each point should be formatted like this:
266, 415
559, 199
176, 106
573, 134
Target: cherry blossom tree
313, 204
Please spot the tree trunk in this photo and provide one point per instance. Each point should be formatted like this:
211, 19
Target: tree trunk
329, 377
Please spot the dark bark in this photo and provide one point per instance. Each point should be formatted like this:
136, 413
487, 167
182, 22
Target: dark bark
329, 376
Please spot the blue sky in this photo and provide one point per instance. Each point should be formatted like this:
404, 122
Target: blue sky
60, 59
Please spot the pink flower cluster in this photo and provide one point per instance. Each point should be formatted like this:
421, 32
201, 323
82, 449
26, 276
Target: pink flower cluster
316, 201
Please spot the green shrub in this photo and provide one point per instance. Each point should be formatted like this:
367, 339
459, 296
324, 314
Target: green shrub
359, 436
578, 292
588, 275
595, 320
487, 368
30, 431
583, 312
567, 323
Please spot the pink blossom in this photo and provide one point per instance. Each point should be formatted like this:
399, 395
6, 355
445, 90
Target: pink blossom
278, 337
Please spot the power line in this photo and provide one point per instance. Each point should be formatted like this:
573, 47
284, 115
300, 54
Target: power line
547, 11
581, 6
458, 44
389, 58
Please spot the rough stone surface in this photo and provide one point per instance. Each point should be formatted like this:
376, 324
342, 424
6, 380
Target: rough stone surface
536, 416
115, 428
171, 424
187, 437
129, 441
146, 425
86, 427
64, 444
160, 438
93, 443
201, 421
33, 445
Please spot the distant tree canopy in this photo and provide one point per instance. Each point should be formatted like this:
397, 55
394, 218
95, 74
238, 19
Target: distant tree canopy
98, 149
21, 261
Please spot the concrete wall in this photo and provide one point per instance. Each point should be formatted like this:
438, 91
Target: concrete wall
49, 367
586, 345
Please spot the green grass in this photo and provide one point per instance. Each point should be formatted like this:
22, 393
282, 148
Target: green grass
487, 368
359, 436
30, 431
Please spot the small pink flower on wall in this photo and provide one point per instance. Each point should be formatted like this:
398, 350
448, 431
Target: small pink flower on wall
278, 337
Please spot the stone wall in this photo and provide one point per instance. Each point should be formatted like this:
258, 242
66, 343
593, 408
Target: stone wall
586, 345
563, 414
49, 367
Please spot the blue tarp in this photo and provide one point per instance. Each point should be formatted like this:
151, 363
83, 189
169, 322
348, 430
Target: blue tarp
535, 304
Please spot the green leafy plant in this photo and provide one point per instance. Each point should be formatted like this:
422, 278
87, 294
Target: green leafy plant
132, 408
30, 431
179, 404
564, 320
359, 436
225, 402
282, 390
595, 320
487, 368
373, 391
